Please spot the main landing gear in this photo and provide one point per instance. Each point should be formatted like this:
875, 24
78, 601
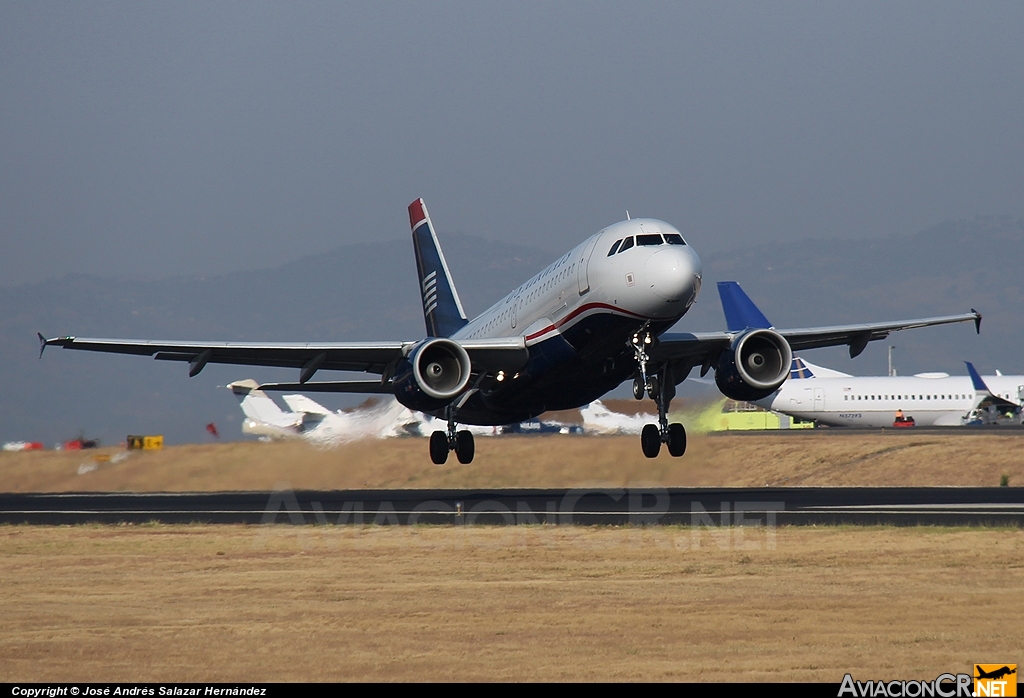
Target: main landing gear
441, 442
661, 388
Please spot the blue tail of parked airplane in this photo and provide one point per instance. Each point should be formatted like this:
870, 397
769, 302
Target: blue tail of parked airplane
442, 309
740, 311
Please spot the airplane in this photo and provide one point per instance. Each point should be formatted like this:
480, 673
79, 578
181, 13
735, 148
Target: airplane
995, 674
597, 316
309, 420
598, 419
825, 396
312, 421
818, 394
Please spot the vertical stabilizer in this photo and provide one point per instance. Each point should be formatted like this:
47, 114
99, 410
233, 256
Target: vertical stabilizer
740, 311
442, 309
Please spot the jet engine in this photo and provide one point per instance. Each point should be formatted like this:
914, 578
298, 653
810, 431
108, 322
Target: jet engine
754, 366
434, 373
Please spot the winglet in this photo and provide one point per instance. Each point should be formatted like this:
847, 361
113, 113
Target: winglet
740, 311
799, 369
977, 320
979, 384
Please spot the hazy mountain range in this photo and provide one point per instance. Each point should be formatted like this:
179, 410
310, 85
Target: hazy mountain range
368, 291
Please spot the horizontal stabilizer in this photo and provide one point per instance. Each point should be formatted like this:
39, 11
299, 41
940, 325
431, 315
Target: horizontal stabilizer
740, 311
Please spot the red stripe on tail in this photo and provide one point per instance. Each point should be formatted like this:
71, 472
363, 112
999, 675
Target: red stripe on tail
417, 214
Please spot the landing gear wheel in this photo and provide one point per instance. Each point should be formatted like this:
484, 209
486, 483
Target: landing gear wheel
638, 388
676, 439
652, 387
464, 447
650, 440
439, 447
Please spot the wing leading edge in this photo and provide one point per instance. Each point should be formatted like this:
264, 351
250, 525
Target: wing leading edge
308, 357
698, 346
703, 349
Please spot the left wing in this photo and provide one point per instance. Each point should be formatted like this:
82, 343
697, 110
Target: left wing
704, 347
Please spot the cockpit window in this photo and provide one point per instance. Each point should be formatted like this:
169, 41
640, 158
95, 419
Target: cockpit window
647, 240
615, 246
626, 244
674, 239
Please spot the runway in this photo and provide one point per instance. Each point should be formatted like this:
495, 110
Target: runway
770, 506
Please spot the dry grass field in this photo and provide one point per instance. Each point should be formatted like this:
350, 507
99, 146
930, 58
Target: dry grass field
276, 603
954, 457
281, 603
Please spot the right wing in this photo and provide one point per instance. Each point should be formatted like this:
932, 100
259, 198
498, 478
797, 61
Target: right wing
309, 357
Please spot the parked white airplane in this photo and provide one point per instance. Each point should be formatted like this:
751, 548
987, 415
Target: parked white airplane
598, 419
595, 317
308, 419
818, 394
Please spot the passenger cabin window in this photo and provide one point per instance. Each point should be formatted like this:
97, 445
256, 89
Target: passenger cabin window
615, 247
674, 239
648, 240
626, 244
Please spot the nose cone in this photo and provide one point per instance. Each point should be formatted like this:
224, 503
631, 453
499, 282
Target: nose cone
673, 273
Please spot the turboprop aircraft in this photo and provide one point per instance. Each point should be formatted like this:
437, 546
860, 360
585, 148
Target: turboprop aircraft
595, 317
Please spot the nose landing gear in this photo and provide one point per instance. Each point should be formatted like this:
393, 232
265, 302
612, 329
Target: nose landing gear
660, 387
461, 441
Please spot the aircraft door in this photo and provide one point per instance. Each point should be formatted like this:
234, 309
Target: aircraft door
819, 400
583, 262
515, 302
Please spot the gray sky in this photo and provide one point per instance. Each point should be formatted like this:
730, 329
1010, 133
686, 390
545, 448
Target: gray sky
152, 139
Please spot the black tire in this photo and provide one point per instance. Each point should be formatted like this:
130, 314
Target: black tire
465, 448
676, 439
652, 387
439, 447
638, 388
650, 440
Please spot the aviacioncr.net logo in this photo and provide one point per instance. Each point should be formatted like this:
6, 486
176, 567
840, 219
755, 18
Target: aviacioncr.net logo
943, 686
995, 680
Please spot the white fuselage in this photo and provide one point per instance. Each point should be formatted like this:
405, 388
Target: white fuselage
872, 401
657, 281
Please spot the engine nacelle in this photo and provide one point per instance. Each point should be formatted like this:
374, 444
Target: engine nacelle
434, 373
754, 366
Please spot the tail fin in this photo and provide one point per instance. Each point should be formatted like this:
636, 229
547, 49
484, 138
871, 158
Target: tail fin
740, 311
258, 406
442, 309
